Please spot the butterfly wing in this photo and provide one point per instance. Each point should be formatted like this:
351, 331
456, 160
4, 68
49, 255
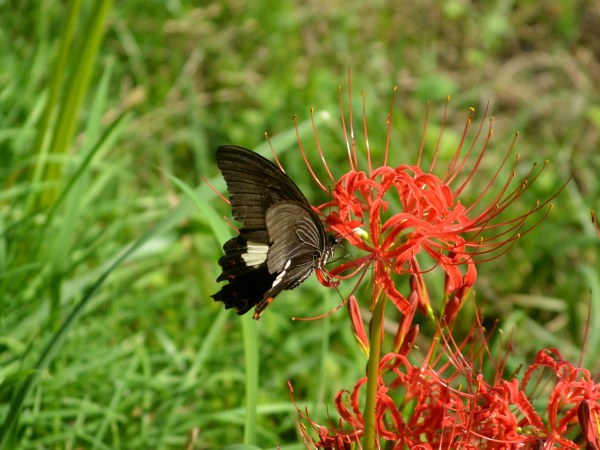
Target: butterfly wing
297, 246
282, 238
244, 267
254, 184
296, 235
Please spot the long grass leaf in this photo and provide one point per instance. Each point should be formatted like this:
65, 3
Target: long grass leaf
83, 60
58, 73
249, 329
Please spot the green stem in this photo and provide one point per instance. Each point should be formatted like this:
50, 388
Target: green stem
251, 357
376, 333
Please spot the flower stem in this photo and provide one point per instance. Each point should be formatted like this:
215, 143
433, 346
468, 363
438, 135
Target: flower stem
373, 373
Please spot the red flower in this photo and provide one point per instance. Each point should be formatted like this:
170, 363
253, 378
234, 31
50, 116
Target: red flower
418, 407
572, 387
428, 217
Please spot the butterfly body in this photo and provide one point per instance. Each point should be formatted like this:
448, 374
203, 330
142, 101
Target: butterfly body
282, 239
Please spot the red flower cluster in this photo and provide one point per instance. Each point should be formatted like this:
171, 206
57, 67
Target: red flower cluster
418, 408
417, 221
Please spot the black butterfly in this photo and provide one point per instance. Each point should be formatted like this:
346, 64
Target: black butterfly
282, 240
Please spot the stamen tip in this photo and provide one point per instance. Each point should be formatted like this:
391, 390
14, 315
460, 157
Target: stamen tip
361, 233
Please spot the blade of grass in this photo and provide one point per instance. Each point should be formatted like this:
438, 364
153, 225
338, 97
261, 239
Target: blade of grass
250, 333
249, 329
58, 74
325, 330
592, 278
81, 63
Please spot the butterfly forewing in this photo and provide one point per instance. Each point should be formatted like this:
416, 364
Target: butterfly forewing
254, 184
282, 240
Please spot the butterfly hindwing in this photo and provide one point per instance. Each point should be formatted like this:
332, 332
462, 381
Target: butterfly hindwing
295, 234
246, 290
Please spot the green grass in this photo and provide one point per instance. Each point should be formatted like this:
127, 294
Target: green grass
110, 115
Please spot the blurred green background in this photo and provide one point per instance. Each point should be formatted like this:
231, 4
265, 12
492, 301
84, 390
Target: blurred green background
110, 116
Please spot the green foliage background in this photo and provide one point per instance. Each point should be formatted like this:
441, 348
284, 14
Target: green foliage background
109, 116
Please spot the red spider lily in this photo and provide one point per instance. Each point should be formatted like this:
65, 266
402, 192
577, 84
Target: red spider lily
429, 217
417, 407
572, 403
419, 219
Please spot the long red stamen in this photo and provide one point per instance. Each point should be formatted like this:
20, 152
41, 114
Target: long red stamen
351, 121
345, 130
498, 196
273, 152
451, 171
367, 147
233, 227
472, 148
215, 191
442, 127
483, 151
319, 149
389, 127
308, 166
426, 122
